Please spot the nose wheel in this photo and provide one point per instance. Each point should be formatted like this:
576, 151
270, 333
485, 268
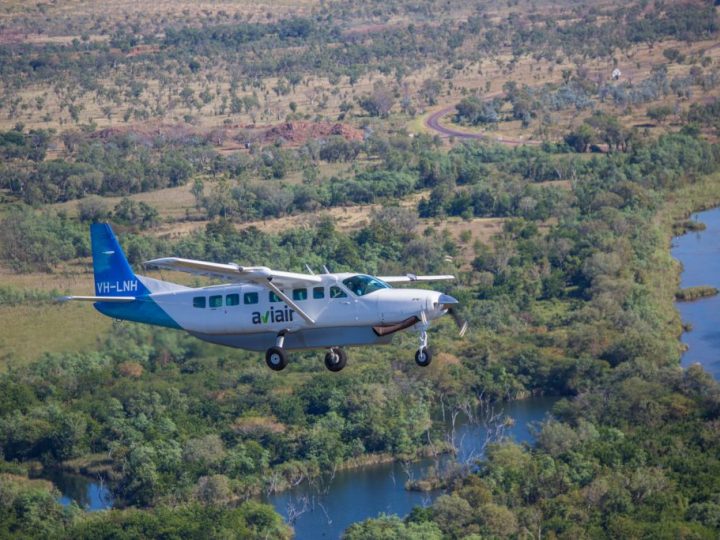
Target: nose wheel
335, 359
423, 356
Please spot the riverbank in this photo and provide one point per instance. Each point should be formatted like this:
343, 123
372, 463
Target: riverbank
355, 495
665, 279
698, 254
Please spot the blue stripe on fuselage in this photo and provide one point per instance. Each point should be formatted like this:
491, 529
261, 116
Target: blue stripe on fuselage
144, 310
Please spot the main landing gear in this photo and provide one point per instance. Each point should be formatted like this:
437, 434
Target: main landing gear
335, 359
276, 357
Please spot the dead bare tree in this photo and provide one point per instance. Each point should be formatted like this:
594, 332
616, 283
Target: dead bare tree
482, 415
273, 482
297, 508
322, 482
407, 469
434, 450
327, 516
494, 423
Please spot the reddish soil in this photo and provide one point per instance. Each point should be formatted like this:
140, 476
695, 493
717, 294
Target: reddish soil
365, 29
12, 36
236, 137
142, 49
296, 133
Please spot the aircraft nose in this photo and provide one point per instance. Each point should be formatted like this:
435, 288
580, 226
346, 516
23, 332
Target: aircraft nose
447, 299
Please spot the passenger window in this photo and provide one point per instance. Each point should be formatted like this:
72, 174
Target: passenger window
250, 298
299, 294
337, 292
274, 297
216, 301
318, 293
199, 302
232, 299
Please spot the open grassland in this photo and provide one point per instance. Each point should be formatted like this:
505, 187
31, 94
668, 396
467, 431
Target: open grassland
487, 79
28, 331
174, 95
174, 204
177, 206
51, 19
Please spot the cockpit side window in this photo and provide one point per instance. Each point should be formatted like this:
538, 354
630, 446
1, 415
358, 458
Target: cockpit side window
362, 285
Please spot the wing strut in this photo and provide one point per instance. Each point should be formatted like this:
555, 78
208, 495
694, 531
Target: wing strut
285, 298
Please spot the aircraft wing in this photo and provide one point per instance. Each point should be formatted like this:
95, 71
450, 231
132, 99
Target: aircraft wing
258, 275
235, 273
408, 278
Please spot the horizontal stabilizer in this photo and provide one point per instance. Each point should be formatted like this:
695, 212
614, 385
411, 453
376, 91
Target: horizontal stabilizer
118, 299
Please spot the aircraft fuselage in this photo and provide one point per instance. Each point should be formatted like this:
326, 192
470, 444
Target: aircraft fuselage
250, 316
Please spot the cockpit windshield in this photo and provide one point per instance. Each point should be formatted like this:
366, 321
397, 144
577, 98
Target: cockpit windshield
362, 285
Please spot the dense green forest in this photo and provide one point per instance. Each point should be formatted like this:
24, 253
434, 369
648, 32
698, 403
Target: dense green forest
570, 294
141, 400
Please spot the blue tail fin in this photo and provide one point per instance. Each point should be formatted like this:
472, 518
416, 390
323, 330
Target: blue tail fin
113, 275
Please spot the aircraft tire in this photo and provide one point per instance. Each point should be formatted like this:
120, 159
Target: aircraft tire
423, 357
335, 359
276, 358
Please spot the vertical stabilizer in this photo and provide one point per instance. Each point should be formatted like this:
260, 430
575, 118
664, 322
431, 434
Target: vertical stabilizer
113, 275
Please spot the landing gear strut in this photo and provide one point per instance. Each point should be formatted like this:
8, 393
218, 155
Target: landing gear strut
335, 359
423, 356
276, 357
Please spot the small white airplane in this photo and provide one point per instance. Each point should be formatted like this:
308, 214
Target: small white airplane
260, 309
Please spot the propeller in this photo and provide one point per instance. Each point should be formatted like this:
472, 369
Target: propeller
461, 324
449, 303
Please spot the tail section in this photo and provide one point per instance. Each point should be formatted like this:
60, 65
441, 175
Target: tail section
119, 293
113, 275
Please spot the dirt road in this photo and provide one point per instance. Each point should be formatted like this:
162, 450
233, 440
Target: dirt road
433, 122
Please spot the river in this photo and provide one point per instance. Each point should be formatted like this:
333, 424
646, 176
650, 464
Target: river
352, 495
358, 494
699, 253
90, 494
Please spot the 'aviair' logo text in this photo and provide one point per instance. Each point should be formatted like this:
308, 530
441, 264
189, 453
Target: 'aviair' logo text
108, 287
274, 316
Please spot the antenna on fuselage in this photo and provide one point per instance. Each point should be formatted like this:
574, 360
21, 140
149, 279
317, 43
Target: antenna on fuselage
325, 269
309, 269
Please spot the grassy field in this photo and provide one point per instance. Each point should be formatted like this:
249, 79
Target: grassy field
487, 78
317, 97
29, 331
